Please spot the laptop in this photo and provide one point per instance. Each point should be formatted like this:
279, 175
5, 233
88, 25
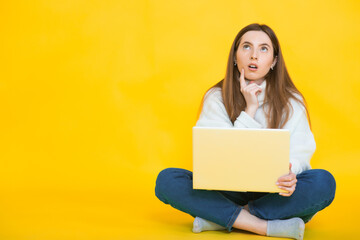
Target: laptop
236, 159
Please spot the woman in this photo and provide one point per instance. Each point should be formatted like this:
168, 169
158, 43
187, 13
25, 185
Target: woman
257, 92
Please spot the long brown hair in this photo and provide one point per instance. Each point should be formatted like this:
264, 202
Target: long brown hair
279, 86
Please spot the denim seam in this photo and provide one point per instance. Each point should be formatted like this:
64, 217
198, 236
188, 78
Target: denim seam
233, 218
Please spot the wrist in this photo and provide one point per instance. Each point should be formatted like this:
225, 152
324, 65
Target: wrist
251, 111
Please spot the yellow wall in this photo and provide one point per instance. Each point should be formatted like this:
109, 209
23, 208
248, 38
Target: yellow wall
96, 97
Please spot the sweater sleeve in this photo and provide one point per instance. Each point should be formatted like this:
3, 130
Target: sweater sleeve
302, 142
213, 114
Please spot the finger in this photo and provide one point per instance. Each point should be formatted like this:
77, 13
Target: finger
288, 184
252, 84
285, 194
288, 189
287, 178
242, 79
251, 91
252, 87
256, 91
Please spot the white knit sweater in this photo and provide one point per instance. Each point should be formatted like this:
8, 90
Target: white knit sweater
302, 143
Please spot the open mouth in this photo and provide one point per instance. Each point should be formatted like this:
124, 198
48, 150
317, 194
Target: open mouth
253, 66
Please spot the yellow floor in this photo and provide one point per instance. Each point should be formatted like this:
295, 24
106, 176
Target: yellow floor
133, 212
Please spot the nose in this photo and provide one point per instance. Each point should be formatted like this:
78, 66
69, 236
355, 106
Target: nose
253, 56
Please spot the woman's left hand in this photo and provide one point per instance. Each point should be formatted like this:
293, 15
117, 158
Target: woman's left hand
287, 183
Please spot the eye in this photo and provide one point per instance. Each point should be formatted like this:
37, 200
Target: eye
264, 49
246, 47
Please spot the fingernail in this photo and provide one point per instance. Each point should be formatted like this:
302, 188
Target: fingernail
277, 183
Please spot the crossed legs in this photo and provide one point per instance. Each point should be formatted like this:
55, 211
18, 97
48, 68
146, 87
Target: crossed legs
265, 215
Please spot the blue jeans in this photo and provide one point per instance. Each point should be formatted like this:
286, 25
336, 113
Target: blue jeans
315, 190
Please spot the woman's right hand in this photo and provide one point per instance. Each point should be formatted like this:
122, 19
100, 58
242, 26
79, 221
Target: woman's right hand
250, 93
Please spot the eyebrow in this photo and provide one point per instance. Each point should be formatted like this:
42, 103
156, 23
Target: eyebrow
262, 44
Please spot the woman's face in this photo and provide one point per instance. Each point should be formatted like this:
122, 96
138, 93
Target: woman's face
255, 54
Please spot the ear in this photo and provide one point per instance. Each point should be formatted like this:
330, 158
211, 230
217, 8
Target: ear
274, 62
